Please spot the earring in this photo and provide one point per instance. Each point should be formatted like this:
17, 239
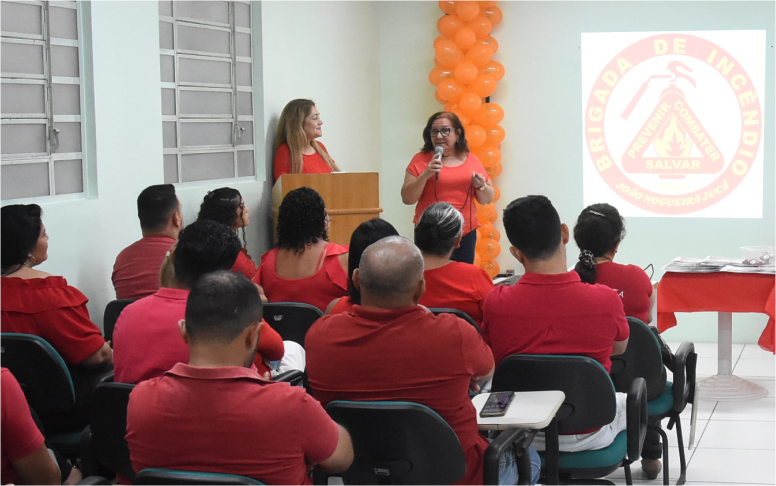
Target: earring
34, 260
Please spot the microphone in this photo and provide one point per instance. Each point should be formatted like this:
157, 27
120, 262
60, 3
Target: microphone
438, 150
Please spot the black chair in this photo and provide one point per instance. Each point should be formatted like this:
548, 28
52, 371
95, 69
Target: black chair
111, 315
292, 377
173, 476
408, 443
104, 449
458, 313
642, 358
291, 319
590, 403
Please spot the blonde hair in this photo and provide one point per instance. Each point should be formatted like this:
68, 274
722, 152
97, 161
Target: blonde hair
291, 132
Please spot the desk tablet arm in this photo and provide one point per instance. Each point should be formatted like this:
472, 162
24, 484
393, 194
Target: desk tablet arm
636, 418
521, 439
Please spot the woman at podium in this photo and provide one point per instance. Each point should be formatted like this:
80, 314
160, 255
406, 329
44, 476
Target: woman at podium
296, 149
445, 171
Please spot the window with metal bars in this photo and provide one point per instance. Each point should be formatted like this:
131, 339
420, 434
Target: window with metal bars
41, 109
207, 95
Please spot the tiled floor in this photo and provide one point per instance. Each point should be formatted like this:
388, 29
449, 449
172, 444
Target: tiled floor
734, 441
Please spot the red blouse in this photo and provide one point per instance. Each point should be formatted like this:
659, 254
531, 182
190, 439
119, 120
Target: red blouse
342, 305
311, 164
459, 286
244, 264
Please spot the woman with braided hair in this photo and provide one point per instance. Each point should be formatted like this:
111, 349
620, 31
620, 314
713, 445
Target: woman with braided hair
225, 205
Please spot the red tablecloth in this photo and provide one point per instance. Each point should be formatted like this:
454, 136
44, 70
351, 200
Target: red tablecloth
717, 292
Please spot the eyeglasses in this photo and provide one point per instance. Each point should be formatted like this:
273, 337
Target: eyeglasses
444, 131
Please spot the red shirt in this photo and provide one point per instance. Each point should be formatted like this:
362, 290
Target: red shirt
53, 310
327, 284
244, 264
459, 286
554, 314
453, 186
311, 164
631, 283
227, 420
136, 271
20, 435
403, 354
343, 305
147, 342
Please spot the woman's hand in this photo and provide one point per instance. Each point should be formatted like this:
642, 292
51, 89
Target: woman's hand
484, 192
433, 168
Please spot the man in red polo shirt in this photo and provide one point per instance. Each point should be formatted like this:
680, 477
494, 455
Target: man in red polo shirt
136, 271
550, 311
215, 414
403, 352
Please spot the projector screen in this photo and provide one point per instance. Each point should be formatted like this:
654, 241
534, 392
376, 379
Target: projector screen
673, 122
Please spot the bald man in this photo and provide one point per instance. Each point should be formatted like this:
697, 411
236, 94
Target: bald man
403, 352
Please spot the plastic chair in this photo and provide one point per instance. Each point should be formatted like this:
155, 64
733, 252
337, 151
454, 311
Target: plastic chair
642, 358
407, 443
111, 315
173, 476
458, 313
291, 319
292, 377
104, 449
589, 404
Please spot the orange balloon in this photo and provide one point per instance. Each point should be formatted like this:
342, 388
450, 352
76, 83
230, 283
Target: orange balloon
450, 106
484, 85
483, 215
485, 4
436, 62
438, 97
494, 14
450, 89
494, 171
448, 53
470, 102
488, 155
488, 231
489, 114
497, 193
465, 72
491, 268
488, 40
448, 7
439, 74
479, 54
495, 134
477, 260
488, 247
493, 217
467, 10
480, 25
449, 24
440, 38
475, 135
465, 38
461, 115
495, 69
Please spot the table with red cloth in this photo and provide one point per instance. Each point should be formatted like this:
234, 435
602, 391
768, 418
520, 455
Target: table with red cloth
721, 292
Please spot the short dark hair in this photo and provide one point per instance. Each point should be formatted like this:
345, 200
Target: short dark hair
599, 228
221, 205
461, 146
438, 229
301, 220
367, 233
204, 246
21, 225
155, 205
533, 226
221, 305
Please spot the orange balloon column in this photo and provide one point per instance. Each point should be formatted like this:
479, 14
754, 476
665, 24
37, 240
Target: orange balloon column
465, 77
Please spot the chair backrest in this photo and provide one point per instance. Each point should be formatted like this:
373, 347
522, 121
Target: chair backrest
173, 476
641, 359
40, 371
111, 315
590, 401
458, 313
108, 424
399, 443
291, 319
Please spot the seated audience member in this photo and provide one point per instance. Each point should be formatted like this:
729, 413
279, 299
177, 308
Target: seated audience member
136, 271
367, 233
456, 285
226, 206
403, 352
214, 414
24, 458
550, 311
303, 267
146, 339
35, 302
598, 234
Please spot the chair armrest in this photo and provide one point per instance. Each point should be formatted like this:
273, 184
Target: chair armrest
108, 377
521, 440
93, 480
88, 460
636, 418
294, 377
685, 360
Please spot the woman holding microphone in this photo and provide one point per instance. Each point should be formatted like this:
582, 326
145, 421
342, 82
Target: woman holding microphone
445, 171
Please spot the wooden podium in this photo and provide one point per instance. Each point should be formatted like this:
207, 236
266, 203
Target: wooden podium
351, 198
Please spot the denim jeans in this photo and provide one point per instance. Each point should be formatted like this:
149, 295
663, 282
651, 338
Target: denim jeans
507, 467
